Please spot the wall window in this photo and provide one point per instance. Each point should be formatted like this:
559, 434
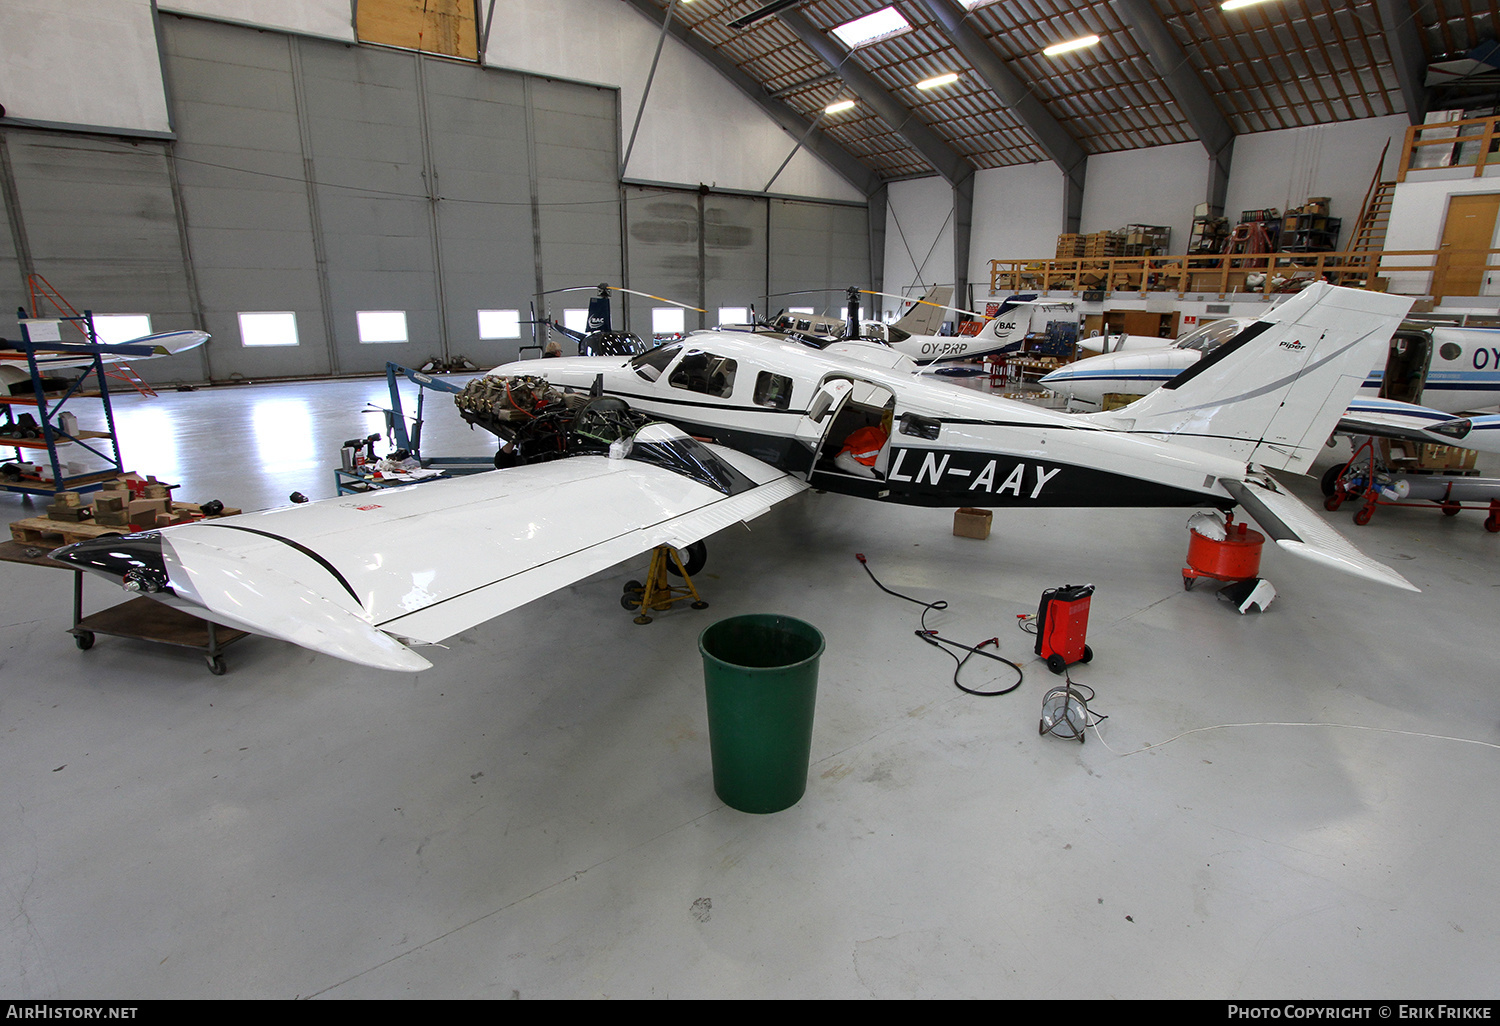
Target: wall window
381, 326
268, 329
499, 324
734, 315
577, 320
117, 329
667, 320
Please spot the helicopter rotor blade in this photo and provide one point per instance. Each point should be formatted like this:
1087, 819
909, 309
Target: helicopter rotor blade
940, 306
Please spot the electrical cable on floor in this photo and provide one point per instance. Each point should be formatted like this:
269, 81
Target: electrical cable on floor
932, 638
1270, 723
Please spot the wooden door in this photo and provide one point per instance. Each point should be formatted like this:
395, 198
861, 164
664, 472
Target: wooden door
1468, 231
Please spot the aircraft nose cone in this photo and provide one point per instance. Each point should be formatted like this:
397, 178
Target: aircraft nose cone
134, 560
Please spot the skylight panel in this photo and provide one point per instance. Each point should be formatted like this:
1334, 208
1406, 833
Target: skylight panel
881, 24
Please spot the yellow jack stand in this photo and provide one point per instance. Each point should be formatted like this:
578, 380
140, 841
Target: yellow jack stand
658, 593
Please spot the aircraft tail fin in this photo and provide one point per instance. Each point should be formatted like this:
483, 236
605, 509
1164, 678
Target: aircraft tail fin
1274, 393
928, 314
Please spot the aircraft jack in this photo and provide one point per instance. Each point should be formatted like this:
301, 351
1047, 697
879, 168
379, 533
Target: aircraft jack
658, 593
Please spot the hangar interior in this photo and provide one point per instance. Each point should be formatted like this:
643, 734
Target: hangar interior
1289, 803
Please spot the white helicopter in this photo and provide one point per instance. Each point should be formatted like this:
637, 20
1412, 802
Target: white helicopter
354, 578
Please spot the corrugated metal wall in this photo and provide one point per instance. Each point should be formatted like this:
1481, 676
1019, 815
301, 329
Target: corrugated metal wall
322, 179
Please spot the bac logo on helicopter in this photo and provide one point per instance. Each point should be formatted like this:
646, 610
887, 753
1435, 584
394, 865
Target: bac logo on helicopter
969, 472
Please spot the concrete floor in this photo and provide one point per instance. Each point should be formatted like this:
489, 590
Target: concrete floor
535, 816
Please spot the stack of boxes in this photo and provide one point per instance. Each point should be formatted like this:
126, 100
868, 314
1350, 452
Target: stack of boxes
1102, 244
1146, 240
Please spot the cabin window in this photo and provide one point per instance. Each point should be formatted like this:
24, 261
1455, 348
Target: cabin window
773, 390
920, 427
1450, 351
705, 373
650, 364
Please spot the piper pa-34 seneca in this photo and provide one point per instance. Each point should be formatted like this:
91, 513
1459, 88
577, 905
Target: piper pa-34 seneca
351, 576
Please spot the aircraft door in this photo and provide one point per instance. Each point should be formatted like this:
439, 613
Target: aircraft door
1405, 372
822, 411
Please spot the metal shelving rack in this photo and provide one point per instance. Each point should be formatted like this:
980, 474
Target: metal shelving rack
50, 406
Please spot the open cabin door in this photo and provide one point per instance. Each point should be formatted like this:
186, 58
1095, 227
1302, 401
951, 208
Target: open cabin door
1405, 372
822, 414
853, 413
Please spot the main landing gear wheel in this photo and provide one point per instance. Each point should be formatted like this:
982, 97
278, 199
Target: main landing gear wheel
694, 557
1330, 482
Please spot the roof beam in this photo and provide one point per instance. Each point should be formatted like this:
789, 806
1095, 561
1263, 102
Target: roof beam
945, 160
1408, 55
850, 167
1170, 62
1018, 99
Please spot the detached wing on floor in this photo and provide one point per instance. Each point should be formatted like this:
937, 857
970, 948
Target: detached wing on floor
361, 577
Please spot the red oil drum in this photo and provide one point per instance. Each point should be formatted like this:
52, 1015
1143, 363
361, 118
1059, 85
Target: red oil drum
1235, 558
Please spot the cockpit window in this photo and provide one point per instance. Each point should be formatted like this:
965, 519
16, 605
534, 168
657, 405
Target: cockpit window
1208, 337
651, 363
705, 373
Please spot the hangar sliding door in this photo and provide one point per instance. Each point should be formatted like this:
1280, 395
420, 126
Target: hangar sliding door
99, 220
817, 245
328, 180
246, 200
718, 250
577, 186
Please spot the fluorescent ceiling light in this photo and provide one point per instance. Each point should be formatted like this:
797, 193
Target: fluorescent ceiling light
1234, 5
940, 80
882, 24
837, 108
1070, 45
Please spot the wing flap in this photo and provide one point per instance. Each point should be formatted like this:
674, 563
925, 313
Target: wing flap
1298, 529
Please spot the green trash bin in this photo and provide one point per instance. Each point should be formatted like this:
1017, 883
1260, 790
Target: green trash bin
761, 676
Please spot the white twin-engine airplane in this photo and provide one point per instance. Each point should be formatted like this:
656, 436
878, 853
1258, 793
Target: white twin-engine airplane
354, 577
1448, 370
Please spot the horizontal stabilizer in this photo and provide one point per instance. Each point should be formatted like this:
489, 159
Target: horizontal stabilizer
1298, 529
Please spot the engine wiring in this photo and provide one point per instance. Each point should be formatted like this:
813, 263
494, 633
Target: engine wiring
937, 641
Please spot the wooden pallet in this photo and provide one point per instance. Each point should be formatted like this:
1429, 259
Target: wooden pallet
46, 531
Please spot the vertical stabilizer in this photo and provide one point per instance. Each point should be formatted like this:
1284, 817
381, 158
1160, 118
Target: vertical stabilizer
1274, 393
927, 314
